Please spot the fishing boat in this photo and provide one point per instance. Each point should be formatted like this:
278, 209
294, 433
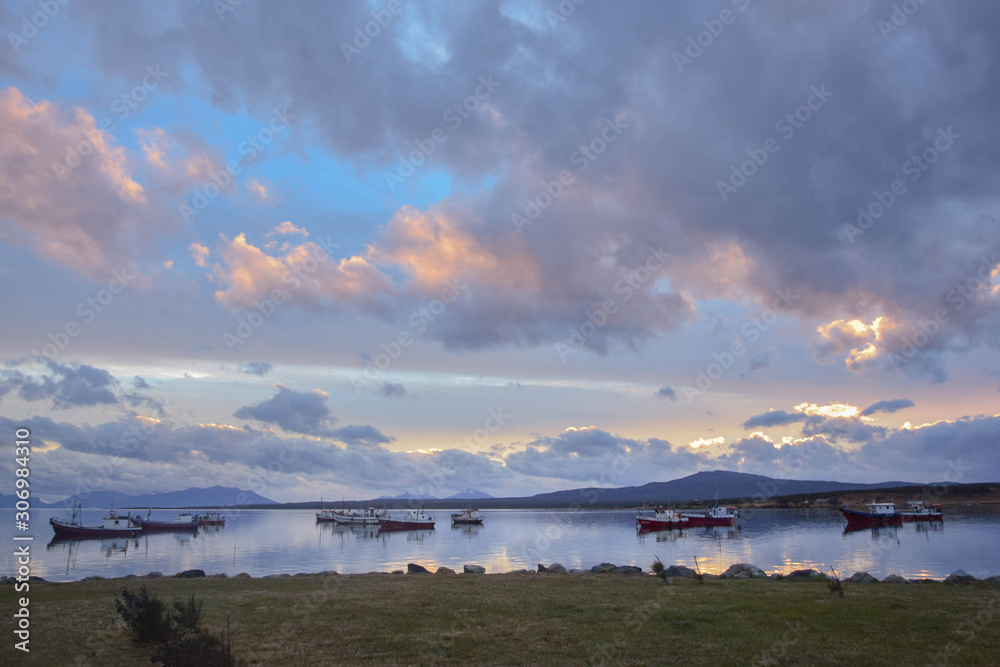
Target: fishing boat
368, 516
411, 520
713, 516
183, 521
113, 526
663, 518
468, 515
916, 510
878, 514
210, 519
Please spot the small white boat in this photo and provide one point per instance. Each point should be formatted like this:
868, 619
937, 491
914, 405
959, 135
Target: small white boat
468, 515
412, 520
367, 516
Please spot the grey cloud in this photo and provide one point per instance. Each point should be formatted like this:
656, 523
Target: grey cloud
260, 368
392, 390
887, 405
67, 385
666, 392
774, 418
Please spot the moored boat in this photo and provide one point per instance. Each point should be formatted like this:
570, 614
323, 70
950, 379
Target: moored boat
917, 511
411, 520
878, 514
713, 516
468, 515
663, 518
183, 521
210, 519
367, 516
113, 526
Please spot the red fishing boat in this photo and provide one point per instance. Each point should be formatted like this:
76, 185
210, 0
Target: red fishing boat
468, 515
182, 522
412, 520
917, 511
878, 514
210, 519
113, 526
663, 518
713, 516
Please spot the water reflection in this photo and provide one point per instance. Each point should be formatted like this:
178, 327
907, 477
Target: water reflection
467, 529
263, 542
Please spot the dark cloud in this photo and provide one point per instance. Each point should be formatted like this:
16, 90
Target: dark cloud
308, 414
67, 385
888, 405
392, 390
763, 358
774, 418
140, 383
260, 368
667, 392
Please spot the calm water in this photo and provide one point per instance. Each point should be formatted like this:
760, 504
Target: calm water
262, 542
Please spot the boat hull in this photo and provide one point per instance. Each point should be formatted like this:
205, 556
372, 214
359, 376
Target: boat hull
695, 521
646, 523
394, 524
166, 527
64, 530
909, 518
856, 519
467, 521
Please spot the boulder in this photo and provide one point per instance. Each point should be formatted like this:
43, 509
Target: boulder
750, 572
444, 570
518, 572
959, 577
894, 579
94, 578
809, 574
474, 569
328, 573
603, 568
242, 575
397, 572
628, 569
221, 575
191, 574
678, 571
154, 574
276, 576
555, 568
413, 568
862, 578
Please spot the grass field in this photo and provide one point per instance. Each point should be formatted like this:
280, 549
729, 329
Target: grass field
531, 619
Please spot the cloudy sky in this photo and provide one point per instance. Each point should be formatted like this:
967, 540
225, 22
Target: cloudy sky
348, 249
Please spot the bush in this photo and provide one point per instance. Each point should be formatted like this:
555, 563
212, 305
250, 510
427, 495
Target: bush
196, 650
144, 615
187, 615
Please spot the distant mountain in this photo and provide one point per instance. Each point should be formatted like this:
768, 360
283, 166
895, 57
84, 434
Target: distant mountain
469, 494
704, 486
216, 496
408, 495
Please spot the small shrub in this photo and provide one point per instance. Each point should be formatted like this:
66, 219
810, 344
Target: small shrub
195, 650
188, 614
657, 567
834, 584
144, 615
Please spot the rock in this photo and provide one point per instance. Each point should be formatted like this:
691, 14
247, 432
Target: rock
413, 568
444, 570
276, 576
328, 573
475, 569
603, 568
809, 574
190, 574
678, 571
302, 574
555, 568
862, 578
959, 577
751, 571
628, 569
397, 572
242, 575
221, 575
518, 572
541, 568
995, 579
94, 578
894, 579
154, 574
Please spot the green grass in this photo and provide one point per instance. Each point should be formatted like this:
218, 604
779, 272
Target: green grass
532, 619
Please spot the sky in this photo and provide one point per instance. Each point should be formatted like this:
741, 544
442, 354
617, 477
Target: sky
342, 250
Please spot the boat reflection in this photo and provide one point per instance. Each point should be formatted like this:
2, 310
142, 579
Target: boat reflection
468, 529
415, 536
109, 546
